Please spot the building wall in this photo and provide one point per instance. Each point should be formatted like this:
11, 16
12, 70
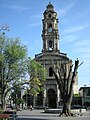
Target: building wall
85, 95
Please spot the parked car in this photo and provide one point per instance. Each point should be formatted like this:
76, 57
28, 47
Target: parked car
77, 107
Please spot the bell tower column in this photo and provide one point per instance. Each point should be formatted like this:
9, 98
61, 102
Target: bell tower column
50, 34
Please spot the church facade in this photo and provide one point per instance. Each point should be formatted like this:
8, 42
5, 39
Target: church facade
50, 55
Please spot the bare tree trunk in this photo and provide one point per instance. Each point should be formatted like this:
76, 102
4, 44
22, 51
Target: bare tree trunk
66, 106
66, 86
34, 102
3, 104
66, 109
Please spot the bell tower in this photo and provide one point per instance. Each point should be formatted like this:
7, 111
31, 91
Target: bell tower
49, 56
50, 34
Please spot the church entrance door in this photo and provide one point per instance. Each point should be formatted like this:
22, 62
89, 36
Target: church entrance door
51, 98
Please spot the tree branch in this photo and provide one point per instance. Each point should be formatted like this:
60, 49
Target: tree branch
73, 76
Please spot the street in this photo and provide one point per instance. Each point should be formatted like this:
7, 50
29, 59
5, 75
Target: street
40, 115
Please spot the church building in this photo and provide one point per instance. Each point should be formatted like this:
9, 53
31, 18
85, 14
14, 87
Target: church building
49, 55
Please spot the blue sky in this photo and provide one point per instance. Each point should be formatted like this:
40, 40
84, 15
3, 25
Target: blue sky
24, 18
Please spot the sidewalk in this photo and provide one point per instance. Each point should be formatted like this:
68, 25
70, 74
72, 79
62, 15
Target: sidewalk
40, 115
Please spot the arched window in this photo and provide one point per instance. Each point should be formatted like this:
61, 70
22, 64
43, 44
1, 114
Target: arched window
50, 72
52, 96
50, 45
49, 15
50, 27
51, 91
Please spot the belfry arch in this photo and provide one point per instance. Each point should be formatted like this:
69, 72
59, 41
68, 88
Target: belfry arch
50, 27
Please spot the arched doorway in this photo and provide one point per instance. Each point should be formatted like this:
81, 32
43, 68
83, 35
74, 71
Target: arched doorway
52, 98
39, 101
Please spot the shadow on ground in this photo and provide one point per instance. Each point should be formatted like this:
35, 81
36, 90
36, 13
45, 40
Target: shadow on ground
31, 119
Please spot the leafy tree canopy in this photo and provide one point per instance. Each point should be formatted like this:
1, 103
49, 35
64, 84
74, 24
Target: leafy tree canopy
12, 64
37, 75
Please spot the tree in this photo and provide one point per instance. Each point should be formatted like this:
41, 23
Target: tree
37, 74
66, 83
16, 96
12, 65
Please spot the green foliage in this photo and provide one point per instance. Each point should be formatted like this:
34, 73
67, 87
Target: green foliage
19, 101
37, 75
12, 64
14, 51
76, 95
87, 101
1, 111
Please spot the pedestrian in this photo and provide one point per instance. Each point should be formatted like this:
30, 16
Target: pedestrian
30, 107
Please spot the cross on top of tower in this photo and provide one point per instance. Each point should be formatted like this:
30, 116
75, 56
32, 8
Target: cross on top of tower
50, 6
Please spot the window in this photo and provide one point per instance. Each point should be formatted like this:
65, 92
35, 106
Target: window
50, 28
50, 45
49, 15
50, 72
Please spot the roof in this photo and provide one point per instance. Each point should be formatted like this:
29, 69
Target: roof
50, 6
81, 88
52, 56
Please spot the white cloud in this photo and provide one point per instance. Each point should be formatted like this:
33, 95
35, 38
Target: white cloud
85, 49
86, 66
36, 17
35, 24
66, 9
17, 8
75, 29
60, 12
35, 20
36, 47
86, 55
82, 14
69, 38
82, 43
83, 46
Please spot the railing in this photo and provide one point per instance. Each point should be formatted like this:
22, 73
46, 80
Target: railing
61, 54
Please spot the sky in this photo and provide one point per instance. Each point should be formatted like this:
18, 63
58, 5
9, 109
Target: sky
24, 18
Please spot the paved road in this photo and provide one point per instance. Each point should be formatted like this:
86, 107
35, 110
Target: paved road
40, 115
